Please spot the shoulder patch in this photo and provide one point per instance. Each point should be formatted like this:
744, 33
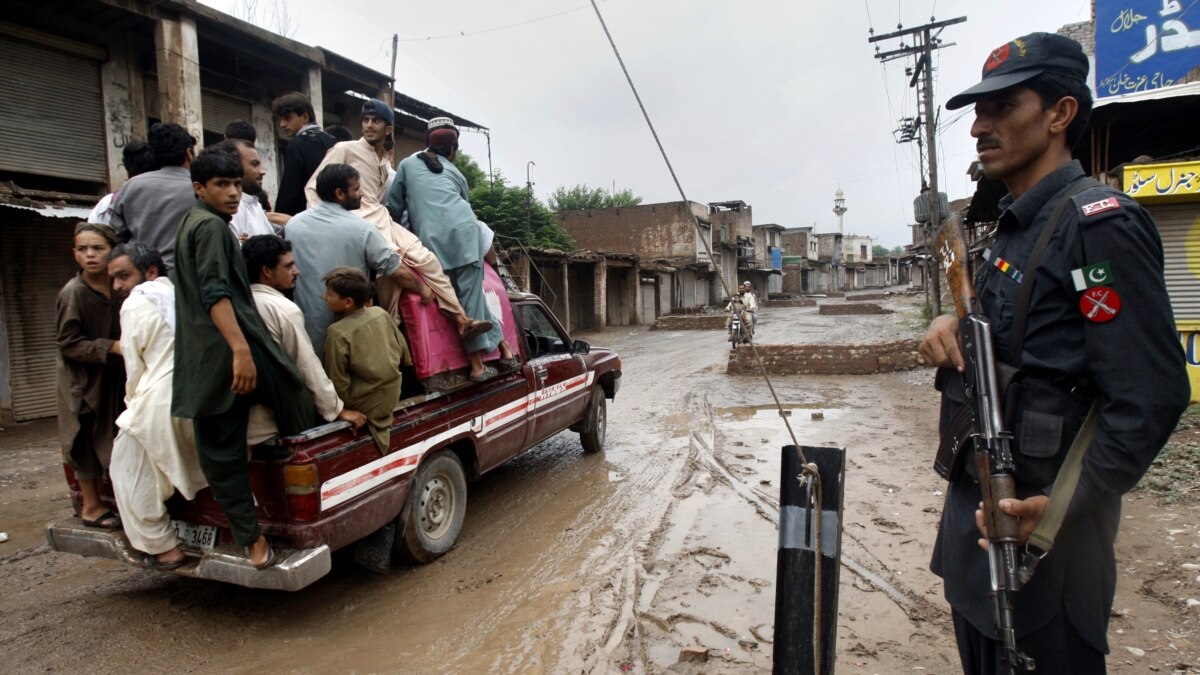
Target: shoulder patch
1106, 204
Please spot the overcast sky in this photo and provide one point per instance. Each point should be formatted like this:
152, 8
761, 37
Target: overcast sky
775, 103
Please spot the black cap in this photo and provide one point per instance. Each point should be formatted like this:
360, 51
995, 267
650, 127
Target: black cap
1023, 59
383, 111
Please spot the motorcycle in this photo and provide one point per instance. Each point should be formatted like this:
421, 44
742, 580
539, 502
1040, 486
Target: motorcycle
738, 332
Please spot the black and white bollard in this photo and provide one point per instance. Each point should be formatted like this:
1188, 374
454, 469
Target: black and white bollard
795, 619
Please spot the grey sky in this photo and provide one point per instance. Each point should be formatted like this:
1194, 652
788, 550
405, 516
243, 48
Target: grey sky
773, 103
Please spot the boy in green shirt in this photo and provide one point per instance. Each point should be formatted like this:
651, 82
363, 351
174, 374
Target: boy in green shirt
363, 352
225, 359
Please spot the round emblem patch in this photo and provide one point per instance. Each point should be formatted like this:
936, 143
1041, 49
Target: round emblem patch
1100, 304
999, 55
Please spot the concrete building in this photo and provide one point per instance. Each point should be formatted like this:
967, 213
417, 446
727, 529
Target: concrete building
589, 290
665, 234
767, 276
83, 79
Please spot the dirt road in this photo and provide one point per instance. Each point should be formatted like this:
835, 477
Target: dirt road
597, 563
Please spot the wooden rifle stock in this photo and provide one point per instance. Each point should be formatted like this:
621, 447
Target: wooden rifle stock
951, 250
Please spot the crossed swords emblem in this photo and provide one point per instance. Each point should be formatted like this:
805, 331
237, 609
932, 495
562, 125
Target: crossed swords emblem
1098, 304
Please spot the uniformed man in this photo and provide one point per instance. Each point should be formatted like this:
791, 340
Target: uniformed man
1099, 323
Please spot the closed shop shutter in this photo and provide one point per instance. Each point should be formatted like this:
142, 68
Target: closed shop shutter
216, 110
36, 262
51, 113
220, 110
648, 296
1179, 227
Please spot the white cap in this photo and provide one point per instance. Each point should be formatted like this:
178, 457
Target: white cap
439, 122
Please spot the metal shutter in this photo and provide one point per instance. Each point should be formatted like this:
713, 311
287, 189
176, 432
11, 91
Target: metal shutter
51, 113
1179, 227
36, 262
216, 110
220, 110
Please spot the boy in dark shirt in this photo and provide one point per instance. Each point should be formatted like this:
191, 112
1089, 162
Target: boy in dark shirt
307, 144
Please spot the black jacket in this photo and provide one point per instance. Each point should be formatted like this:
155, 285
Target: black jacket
1134, 360
304, 153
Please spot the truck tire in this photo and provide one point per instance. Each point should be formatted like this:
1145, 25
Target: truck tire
437, 503
592, 436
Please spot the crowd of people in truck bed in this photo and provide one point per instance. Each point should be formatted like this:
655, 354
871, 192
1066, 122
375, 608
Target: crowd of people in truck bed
204, 320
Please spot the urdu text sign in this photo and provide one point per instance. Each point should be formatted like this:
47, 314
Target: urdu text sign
1145, 44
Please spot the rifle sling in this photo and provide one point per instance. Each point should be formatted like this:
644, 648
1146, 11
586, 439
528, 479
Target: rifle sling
1041, 540
1021, 311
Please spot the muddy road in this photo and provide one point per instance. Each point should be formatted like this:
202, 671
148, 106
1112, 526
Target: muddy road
591, 563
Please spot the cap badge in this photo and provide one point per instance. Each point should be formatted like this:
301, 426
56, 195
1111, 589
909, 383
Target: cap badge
998, 56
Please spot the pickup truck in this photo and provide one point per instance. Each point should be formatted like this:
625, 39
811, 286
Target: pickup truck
330, 487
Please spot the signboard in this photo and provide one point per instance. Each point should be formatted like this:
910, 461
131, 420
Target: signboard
1152, 183
1145, 44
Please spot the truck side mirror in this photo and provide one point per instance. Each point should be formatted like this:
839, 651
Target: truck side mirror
580, 347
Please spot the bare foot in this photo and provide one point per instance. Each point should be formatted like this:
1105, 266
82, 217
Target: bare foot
174, 555
259, 552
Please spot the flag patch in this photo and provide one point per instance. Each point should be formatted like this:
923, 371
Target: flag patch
1091, 276
1106, 204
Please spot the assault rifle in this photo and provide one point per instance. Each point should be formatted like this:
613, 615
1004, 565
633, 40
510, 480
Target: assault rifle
992, 442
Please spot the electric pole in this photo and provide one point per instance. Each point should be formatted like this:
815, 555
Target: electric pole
925, 40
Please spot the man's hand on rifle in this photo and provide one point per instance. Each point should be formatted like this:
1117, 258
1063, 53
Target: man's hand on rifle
940, 346
1028, 510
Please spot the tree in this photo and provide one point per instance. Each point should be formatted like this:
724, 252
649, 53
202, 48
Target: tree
581, 197
880, 251
273, 16
471, 170
513, 212
898, 251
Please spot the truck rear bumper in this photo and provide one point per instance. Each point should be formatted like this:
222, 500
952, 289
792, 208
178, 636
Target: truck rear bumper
293, 568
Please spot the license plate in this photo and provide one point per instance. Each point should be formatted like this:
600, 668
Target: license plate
203, 537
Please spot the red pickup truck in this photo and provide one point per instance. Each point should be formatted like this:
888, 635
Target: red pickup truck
329, 487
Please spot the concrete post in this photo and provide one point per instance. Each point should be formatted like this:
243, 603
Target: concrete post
635, 294
312, 89
600, 294
566, 295
264, 125
177, 53
124, 107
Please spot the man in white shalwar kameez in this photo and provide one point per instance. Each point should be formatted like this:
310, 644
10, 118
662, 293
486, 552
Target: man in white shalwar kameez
271, 269
154, 453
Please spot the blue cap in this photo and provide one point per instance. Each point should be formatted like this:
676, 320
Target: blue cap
379, 109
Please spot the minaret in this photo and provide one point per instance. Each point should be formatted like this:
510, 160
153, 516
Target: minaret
839, 207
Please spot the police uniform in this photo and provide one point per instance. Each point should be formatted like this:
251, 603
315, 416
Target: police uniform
1099, 323
1133, 359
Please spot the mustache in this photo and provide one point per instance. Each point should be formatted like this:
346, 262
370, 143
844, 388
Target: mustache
985, 142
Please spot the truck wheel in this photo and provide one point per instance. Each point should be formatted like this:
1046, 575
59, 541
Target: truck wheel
437, 503
592, 437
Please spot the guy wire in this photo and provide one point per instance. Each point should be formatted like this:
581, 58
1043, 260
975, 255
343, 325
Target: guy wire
809, 470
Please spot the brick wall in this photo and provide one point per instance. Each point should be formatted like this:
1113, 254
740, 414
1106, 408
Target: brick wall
867, 296
1083, 32
652, 230
690, 322
857, 308
793, 302
885, 357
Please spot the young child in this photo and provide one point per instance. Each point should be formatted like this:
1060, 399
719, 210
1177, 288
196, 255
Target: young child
363, 352
90, 372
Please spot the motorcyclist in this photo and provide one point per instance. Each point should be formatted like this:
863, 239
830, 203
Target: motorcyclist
745, 305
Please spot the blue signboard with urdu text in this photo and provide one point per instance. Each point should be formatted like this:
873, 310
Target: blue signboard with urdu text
1145, 44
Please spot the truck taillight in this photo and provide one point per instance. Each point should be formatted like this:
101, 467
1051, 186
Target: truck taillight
300, 486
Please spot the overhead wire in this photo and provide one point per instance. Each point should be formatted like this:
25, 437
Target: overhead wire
810, 470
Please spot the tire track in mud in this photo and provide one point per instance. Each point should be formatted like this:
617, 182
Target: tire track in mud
877, 575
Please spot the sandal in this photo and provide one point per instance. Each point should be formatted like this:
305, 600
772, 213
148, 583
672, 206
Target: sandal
475, 328
109, 520
151, 562
487, 374
266, 563
509, 363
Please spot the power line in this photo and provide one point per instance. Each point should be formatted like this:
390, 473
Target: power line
462, 34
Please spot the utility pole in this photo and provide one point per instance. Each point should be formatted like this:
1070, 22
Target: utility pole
925, 40
528, 197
